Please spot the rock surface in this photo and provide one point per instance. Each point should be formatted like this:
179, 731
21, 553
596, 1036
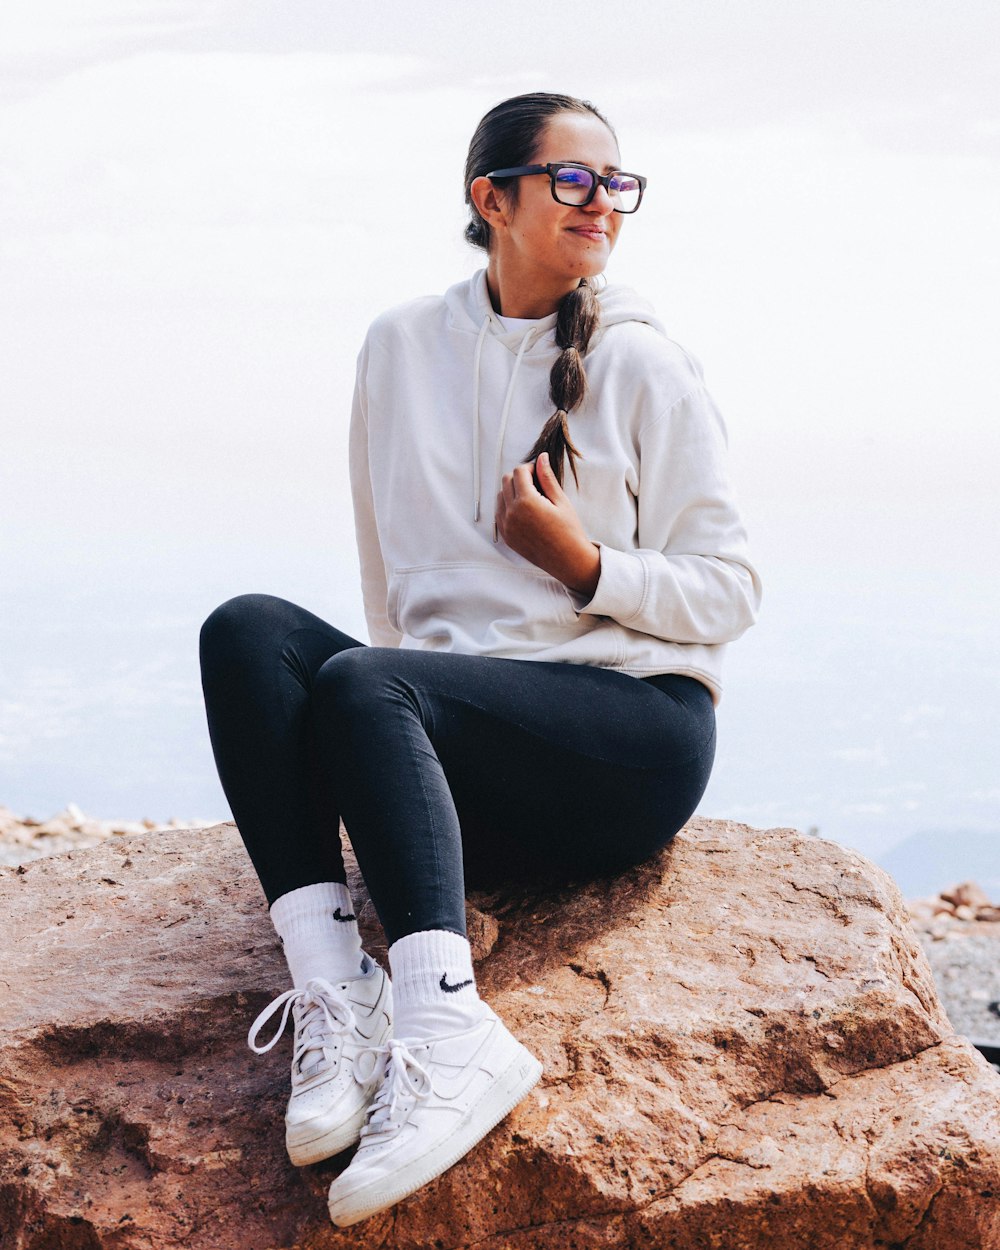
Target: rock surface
742, 1045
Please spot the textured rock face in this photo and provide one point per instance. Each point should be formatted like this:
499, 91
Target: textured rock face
742, 1048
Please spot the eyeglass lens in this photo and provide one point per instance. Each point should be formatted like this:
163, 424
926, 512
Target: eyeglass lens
575, 186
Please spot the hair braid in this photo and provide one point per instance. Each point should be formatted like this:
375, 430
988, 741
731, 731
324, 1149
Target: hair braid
578, 317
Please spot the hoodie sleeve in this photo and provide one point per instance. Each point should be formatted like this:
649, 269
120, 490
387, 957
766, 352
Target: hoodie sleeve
689, 579
374, 585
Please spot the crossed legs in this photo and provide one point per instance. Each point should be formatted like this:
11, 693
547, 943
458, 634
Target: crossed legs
572, 767
437, 763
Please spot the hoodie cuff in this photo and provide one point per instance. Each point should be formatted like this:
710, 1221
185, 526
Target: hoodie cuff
621, 586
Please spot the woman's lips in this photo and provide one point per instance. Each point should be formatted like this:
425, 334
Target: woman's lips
589, 232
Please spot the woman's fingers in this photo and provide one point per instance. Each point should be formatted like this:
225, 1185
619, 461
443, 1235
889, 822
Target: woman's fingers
522, 482
541, 524
532, 510
547, 479
530, 490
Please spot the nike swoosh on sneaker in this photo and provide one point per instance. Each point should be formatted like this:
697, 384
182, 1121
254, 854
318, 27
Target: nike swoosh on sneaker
368, 1014
452, 989
338, 916
377, 1022
456, 1067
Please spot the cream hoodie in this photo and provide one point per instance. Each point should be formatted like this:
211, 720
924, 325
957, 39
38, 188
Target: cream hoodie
448, 400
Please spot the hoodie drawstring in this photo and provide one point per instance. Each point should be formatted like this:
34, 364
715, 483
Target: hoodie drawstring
528, 338
475, 417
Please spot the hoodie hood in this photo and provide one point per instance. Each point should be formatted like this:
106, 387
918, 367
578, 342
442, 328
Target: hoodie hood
470, 310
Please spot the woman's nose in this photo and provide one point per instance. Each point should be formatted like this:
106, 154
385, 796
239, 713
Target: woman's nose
602, 202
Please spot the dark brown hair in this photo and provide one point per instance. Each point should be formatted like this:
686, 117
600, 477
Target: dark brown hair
509, 135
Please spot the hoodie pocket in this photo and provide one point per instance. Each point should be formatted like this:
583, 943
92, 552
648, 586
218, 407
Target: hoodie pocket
481, 608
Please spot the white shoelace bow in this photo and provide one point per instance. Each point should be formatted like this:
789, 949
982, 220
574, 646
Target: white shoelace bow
402, 1078
322, 1013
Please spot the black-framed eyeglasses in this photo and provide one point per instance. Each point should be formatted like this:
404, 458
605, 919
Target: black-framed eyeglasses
576, 185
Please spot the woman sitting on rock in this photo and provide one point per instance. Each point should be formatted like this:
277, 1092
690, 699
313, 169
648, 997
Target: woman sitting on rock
552, 564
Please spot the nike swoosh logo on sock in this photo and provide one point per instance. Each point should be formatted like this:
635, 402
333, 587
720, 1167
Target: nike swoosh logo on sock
338, 916
452, 989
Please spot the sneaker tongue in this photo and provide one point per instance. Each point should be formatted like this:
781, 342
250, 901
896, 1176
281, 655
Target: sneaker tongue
310, 1069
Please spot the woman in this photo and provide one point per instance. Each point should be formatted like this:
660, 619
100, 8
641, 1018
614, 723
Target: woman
552, 563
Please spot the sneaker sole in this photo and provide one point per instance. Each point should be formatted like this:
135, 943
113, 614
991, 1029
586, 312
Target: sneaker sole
510, 1088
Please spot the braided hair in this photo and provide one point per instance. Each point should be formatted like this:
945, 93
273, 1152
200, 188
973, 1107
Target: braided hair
507, 136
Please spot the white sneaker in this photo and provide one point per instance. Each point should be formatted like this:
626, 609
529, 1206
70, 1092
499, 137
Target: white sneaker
333, 1024
437, 1098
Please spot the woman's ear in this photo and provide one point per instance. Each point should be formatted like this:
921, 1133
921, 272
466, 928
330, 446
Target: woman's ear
489, 203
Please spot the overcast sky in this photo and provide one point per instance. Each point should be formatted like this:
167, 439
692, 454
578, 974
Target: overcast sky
202, 205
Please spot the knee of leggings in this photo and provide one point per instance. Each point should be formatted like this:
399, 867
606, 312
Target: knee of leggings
352, 681
233, 622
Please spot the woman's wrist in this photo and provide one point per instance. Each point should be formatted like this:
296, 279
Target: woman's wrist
585, 572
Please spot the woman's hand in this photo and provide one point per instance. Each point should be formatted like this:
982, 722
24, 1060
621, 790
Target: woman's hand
545, 528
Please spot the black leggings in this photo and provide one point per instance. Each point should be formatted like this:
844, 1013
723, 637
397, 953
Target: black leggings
533, 769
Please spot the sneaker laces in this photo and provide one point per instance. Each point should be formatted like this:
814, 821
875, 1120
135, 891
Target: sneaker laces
402, 1077
320, 1015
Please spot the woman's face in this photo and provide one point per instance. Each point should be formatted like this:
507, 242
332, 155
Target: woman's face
562, 242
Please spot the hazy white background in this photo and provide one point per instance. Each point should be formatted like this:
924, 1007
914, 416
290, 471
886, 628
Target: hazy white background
202, 205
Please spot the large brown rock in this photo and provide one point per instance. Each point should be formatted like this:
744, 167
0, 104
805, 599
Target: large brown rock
742, 1048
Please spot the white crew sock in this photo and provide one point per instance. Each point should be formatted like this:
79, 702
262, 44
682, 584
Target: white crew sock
433, 985
319, 932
